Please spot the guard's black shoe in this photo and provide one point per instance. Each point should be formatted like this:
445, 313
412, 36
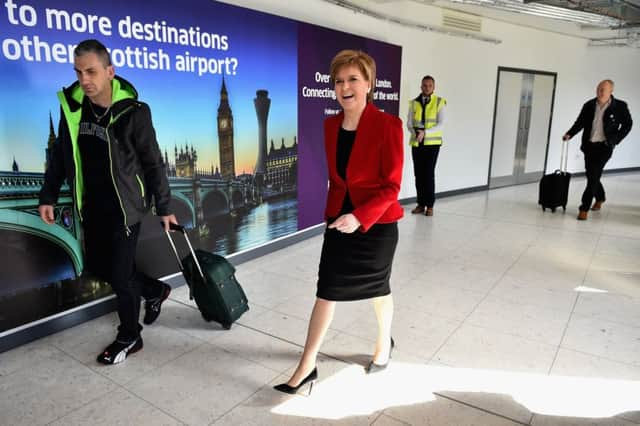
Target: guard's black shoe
152, 306
118, 351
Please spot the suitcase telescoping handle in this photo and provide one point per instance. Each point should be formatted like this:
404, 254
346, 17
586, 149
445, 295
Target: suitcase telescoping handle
564, 155
180, 228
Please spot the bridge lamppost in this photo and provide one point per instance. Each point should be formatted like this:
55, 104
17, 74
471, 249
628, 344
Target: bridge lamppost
196, 201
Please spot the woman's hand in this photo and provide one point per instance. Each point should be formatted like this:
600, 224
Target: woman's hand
347, 223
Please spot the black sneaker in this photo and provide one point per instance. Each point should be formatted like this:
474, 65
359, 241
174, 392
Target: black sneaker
118, 351
152, 306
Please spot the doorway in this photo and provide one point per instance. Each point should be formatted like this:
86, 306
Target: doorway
521, 126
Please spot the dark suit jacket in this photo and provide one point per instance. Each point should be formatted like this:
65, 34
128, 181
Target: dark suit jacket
616, 121
374, 171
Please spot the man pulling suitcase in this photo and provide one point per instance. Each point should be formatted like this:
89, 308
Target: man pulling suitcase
604, 121
107, 151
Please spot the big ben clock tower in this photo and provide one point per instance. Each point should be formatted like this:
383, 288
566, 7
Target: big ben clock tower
225, 135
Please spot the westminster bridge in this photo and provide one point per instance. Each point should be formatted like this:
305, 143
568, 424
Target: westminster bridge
194, 200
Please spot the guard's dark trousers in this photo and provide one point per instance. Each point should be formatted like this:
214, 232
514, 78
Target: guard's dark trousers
424, 168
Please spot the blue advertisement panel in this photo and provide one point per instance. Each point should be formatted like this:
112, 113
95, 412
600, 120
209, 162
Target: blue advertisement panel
222, 85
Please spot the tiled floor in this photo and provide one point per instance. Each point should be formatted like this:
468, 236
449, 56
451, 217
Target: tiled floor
504, 315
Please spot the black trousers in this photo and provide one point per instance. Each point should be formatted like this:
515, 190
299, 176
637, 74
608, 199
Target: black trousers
110, 256
424, 169
596, 156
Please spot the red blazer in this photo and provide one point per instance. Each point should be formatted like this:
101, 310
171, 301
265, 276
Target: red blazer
374, 171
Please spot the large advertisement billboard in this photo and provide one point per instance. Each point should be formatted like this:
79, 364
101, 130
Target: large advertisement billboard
237, 99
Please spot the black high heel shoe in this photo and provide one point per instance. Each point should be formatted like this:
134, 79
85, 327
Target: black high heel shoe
311, 379
375, 368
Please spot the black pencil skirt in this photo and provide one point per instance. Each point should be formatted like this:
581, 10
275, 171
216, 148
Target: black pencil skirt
358, 265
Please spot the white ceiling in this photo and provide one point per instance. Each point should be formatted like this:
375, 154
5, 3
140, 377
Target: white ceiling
590, 32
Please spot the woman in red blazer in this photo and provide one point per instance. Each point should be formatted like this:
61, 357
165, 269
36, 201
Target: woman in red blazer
364, 155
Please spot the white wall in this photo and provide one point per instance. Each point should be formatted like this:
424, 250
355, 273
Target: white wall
465, 71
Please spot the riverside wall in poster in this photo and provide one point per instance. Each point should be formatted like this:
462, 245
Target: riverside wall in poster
237, 99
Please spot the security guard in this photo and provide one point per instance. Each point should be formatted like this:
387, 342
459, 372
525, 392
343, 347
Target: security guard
425, 122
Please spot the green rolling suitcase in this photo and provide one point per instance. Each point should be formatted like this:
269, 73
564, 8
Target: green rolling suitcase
212, 283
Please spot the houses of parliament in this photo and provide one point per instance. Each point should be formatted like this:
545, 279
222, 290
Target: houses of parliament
276, 167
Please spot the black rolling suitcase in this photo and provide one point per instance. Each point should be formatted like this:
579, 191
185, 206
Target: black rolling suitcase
212, 284
554, 187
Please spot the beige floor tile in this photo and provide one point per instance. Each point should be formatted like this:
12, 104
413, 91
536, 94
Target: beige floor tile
437, 298
24, 357
556, 262
512, 289
119, 408
441, 411
496, 403
347, 313
478, 347
188, 319
463, 276
283, 326
485, 257
299, 306
258, 347
539, 420
50, 388
616, 263
329, 403
618, 308
614, 282
572, 363
633, 416
161, 344
385, 420
181, 294
359, 351
614, 341
296, 267
350, 349
407, 267
621, 223
518, 394
566, 241
562, 276
617, 246
97, 332
532, 322
415, 332
202, 385
269, 289
254, 311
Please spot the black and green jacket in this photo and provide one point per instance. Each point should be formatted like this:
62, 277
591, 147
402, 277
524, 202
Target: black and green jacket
137, 168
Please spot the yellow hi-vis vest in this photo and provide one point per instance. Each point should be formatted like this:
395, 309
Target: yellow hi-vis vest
436, 103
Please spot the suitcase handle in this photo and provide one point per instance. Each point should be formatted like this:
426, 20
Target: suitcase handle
176, 227
564, 155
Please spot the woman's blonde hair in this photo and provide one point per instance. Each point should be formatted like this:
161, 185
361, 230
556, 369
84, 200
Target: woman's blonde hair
364, 62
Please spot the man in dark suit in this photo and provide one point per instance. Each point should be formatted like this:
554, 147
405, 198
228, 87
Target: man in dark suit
604, 121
